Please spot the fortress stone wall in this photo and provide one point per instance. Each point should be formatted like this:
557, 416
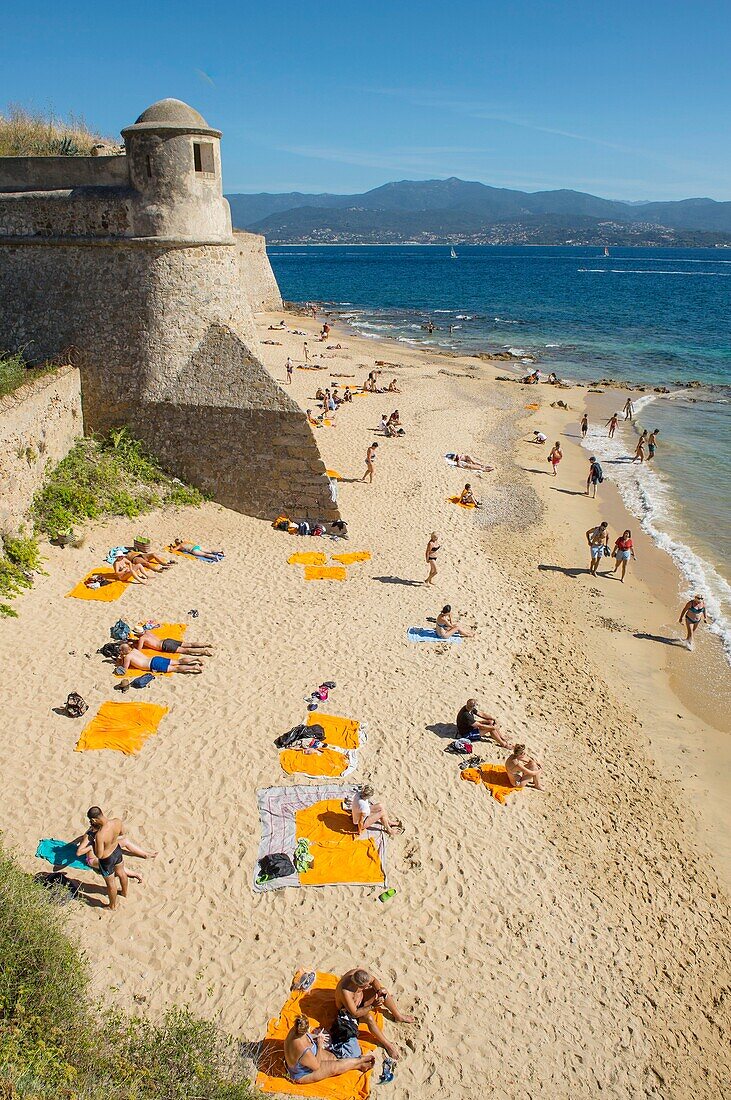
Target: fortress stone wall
151, 294
39, 424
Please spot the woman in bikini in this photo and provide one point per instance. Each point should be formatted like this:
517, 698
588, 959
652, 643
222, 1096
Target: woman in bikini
523, 770
467, 497
431, 556
612, 424
446, 626
555, 457
640, 449
692, 613
195, 550
307, 1059
125, 570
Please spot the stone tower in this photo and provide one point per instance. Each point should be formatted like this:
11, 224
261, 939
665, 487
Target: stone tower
129, 264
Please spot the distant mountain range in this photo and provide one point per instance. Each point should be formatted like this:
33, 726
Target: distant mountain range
454, 211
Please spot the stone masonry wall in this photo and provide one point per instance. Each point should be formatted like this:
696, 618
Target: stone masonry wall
257, 277
38, 426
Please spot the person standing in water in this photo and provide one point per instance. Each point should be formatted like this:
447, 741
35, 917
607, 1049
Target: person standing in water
370, 459
598, 539
640, 449
629, 410
652, 444
555, 457
692, 613
623, 551
431, 556
584, 426
612, 424
595, 475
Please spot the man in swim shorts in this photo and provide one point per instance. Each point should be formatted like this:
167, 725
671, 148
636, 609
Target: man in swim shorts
132, 658
148, 640
474, 725
361, 993
597, 538
106, 832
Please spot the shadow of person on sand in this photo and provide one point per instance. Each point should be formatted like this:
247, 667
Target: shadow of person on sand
660, 638
569, 492
398, 580
443, 729
575, 572
532, 470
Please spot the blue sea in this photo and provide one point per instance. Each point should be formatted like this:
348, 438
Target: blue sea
661, 317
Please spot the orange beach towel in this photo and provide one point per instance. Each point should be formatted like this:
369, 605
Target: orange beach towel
456, 500
352, 556
340, 733
318, 1005
325, 573
307, 557
165, 630
121, 726
340, 854
106, 593
495, 778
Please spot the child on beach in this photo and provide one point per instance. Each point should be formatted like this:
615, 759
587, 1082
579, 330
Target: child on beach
555, 457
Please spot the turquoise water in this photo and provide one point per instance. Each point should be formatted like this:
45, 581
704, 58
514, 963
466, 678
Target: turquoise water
653, 316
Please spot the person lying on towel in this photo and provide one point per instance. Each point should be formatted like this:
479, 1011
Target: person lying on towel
308, 1059
132, 658
467, 497
148, 560
148, 640
523, 770
193, 548
468, 462
359, 993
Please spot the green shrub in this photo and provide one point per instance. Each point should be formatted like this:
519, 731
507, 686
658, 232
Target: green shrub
20, 558
14, 373
111, 476
56, 1043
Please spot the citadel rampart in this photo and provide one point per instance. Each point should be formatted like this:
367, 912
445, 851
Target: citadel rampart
134, 270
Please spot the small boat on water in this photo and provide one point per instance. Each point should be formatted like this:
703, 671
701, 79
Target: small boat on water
452, 253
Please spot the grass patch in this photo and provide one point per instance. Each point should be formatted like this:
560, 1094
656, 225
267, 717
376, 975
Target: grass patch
56, 1043
15, 372
25, 133
19, 560
115, 476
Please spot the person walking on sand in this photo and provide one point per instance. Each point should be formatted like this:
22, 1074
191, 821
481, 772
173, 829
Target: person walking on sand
584, 426
106, 832
629, 410
308, 1060
623, 551
692, 613
598, 540
555, 457
289, 369
370, 459
361, 994
612, 424
523, 770
432, 548
652, 444
595, 476
640, 449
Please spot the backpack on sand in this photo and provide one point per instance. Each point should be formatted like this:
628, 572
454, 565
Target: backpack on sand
121, 631
275, 865
75, 705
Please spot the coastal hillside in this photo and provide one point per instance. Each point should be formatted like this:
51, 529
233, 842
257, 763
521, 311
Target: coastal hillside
454, 210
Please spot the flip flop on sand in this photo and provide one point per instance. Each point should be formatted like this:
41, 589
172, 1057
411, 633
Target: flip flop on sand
305, 981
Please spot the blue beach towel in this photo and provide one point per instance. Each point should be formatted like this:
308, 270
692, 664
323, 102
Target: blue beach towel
60, 854
429, 634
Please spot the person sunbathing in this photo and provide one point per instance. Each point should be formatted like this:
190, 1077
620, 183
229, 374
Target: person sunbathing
308, 1061
467, 462
194, 549
132, 658
128, 571
446, 626
149, 560
361, 994
523, 770
467, 497
148, 640
366, 813
475, 725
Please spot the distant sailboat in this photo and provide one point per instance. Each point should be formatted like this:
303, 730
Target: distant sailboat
606, 250
452, 253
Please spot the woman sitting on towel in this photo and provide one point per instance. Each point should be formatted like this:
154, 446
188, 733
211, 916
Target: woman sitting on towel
194, 549
467, 497
446, 625
366, 813
308, 1060
523, 770
126, 570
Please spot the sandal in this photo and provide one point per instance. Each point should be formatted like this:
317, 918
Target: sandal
304, 982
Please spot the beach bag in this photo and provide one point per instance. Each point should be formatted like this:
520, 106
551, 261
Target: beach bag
303, 527
297, 733
461, 747
121, 631
110, 649
276, 865
596, 472
344, 1036
75, 705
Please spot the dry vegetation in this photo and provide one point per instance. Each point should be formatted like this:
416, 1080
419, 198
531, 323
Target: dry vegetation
25, 133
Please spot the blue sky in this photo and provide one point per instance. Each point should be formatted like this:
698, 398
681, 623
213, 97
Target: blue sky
627, 100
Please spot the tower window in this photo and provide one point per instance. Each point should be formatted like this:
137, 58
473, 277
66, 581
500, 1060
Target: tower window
148, 163
203, 159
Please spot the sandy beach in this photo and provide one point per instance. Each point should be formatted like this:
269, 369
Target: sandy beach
571, 943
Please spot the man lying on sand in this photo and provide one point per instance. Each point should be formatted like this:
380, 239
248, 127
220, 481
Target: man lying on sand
149, 560
106, 832
474, 725
360, 993
523, 770
132, 658
148, 640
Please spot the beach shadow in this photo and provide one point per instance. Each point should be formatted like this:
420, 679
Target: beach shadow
443, 729
336, 821
660, 638
569, 492
398, 580
576, 572
531, 470
94, 896
64, 713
